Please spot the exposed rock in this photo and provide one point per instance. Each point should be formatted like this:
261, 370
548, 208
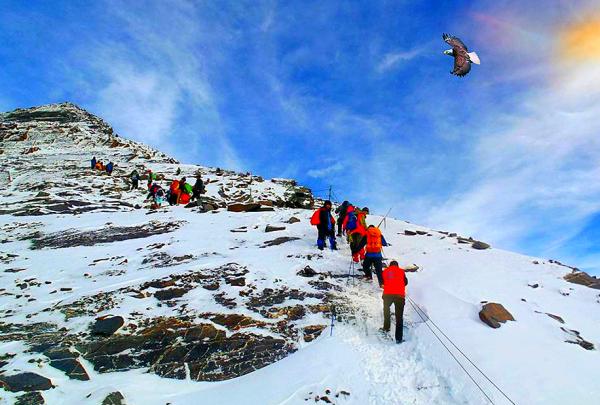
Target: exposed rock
556, 318
236, 281
25, 382
582, 278
107, 325
236, 321
480, 245
307, 272
31, 398
292, 220
413, 268
279, 241
114, 398
109, 234
72, 368
170, 293
421, 233
578, 339
312, 332
168, 345
409, 233
243, 207
535, 285
494, 314
271, 228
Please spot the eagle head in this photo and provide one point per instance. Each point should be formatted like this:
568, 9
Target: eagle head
449, 52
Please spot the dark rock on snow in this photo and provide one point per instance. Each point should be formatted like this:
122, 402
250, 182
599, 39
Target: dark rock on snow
582, 278
480, 245
114, 398
271, 228
243, 207
409, 233
292, 220
25, 382
307, 272
31, 398
107, 325
279, 241
494, 314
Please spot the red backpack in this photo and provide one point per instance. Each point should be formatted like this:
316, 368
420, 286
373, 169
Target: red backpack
316, 217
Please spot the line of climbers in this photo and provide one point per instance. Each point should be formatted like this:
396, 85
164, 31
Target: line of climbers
366, 246
99, 165
179, 192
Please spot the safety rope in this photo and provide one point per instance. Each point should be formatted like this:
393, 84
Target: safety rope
426, 319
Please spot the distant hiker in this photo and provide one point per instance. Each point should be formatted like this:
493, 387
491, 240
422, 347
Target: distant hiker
135, 178
325, 224
341, 211
186, 191
157, 194
174, 192
178, 172
109, 168
99, 165
93, 162
394, 292
198, 188
151, 177
373, 241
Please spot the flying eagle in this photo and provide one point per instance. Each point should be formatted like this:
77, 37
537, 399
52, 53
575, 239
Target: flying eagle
462, 56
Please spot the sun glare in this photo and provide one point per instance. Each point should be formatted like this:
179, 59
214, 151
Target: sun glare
581, 41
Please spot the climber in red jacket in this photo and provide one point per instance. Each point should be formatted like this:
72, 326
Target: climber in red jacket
394, 292
325, 224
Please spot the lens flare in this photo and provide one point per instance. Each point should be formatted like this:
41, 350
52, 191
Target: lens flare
581, 41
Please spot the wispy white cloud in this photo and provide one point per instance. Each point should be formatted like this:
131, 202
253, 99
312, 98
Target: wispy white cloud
391, 60
326, 171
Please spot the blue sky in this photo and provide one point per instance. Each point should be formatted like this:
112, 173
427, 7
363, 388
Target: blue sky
356, 95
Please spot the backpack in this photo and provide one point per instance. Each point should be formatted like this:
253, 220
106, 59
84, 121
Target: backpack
374, 243
316, 217
352, 222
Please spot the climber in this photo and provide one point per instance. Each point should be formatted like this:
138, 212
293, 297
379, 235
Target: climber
157, 194
373, 241
109, 168
93, 162
325, 224
174, 192
198, 188
186, 191
356, 228
178, 172
394, 292
341, 211
151, 177
99, 165
135, 178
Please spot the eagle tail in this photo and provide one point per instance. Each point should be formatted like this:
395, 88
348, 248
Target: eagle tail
473, 57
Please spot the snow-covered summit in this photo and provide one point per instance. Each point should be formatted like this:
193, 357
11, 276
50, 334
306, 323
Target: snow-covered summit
105, 300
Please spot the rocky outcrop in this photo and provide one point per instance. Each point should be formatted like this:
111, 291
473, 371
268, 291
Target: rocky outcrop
478, 245
114, 398
109, 234
272, 228
25, 382
582, 278
307, 272
31, 398
251, 207
279, 241
107, 325
494, 315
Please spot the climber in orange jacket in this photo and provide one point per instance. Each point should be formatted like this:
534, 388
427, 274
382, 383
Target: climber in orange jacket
394, 292
373, 241
325, 224
356, 228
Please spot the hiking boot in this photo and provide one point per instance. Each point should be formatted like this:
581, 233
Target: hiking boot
398, 341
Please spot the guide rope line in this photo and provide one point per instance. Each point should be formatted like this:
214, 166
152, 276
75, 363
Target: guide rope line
449, 351
459, 350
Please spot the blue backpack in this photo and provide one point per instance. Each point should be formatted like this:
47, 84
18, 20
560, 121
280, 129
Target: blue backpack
352, 221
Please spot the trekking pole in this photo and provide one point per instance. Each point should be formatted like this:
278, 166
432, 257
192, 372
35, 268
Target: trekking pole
386, 215
332, 320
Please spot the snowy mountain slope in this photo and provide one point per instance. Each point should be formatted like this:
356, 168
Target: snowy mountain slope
215, 310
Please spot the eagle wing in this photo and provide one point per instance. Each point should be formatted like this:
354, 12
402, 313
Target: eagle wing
462, 63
